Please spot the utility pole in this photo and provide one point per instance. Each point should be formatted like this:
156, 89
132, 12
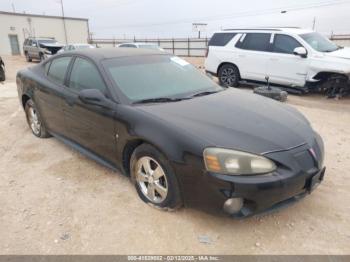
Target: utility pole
13, 7
64, 23
314, 24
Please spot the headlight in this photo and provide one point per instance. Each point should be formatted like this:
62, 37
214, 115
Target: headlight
232, 162
48, 52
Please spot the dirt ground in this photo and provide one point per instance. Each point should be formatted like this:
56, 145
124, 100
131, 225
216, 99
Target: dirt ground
53, 200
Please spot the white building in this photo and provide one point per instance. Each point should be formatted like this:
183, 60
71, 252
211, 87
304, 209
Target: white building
15, 27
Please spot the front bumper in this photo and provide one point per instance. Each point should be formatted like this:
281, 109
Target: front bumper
261, 196
300, 171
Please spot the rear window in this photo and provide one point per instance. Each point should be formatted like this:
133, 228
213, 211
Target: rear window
221, 39
255, 42
58, 68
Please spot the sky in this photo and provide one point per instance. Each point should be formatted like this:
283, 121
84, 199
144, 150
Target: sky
174, 18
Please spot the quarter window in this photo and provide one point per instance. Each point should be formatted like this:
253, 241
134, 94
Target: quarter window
85, 75
285, 44
221, 39
58, 69
255, 42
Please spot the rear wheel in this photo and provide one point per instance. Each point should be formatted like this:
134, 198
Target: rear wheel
229, 75
34, 120
154, 179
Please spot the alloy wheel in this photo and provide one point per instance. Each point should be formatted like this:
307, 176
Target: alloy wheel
228, 76
151, 179
34, 121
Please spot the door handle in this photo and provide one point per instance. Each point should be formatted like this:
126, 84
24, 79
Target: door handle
274, 59
242, 56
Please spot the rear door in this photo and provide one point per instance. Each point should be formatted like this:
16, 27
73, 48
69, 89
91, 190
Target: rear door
284, 67
253, 55
90, 126
49, 94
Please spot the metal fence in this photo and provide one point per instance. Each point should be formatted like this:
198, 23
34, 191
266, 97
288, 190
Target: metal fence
342, 40
195, 47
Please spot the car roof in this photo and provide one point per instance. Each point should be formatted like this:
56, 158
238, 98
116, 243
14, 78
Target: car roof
290, 30
41, 38
98, 54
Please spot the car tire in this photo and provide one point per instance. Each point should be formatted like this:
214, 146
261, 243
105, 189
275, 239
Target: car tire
34, 120
2, 74
273, 92
229, 76
41, 57
28, 58
151, 172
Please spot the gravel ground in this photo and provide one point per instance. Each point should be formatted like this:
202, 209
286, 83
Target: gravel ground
53, 200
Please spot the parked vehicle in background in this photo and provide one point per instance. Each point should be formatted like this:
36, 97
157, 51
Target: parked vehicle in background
142, 45
73, 47
297, 59
181, 138
2, 70
40, 48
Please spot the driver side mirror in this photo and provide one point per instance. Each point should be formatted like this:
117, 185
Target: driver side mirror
94, 97
300, 51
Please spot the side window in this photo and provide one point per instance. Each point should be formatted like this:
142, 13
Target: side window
29, 42
285, 44
221, 39
255, 42
58, 69
85, 75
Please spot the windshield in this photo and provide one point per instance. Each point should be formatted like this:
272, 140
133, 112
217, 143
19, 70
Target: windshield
319, 42
47, 41
157, 76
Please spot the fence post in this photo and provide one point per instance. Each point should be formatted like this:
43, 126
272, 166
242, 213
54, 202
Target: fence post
158, 42
173, 46
188, 47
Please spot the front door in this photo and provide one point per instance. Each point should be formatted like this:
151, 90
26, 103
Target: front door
284, 67
49, 94
90, 126
14, 45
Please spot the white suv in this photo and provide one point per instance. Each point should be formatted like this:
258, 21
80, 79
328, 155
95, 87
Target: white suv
297, 59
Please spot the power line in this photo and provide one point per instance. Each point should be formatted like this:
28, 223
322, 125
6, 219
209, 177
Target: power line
233, 15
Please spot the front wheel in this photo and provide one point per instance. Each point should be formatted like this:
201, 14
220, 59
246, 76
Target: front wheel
154, 179
41, 57
34, 120
28, 58
229, 75
2, 74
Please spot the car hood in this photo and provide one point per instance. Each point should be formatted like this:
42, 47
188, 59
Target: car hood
237, 120
341, 53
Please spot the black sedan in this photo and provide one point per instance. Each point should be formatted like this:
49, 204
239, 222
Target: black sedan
181, 138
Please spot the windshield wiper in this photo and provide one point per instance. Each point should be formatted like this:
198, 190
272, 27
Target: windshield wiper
158, 100
205, 93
